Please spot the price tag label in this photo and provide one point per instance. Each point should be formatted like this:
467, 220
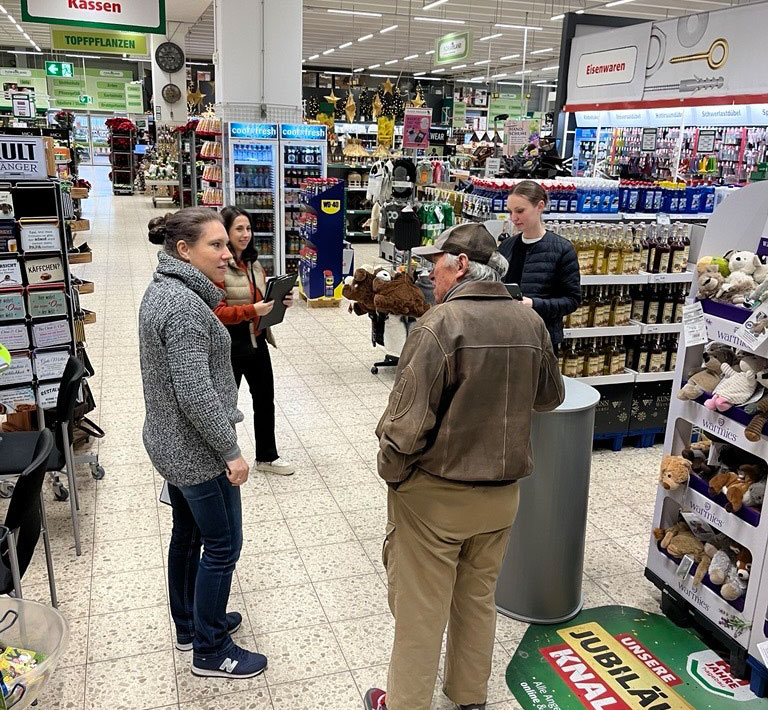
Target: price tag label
684, 567
492, 166
662, 218
694, 326
754, 331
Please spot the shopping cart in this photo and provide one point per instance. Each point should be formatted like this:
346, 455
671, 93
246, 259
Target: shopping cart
34, 627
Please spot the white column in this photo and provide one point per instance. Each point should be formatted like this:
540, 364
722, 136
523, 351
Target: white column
258, 53
169, 113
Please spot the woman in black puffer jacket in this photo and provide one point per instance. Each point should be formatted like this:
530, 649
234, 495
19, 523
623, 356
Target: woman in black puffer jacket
543, 263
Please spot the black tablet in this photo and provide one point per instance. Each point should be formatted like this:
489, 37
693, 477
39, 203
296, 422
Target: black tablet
277, 289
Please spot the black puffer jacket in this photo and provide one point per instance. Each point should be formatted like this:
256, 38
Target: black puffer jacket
550, 279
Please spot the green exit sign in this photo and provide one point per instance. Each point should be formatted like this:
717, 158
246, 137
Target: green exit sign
85, 99
60, 69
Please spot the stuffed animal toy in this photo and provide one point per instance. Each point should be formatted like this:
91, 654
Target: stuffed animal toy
710, 263
759, 412
737, 386
735, 585
359, 288
698, 456
679, 541
761, 272
739, 284
710, 282
748, 474
675, 471
755, 494
736, 288
722, 480
744, 563
708, 376
399, 296
721, 564
730, 568
759, 293
730, 457
735, 485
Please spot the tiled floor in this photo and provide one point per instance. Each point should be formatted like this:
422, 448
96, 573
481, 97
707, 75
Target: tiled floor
310, 584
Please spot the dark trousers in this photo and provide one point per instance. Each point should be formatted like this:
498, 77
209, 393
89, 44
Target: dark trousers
207, 515
256, 366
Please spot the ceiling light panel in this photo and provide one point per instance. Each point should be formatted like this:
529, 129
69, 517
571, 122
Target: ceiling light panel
440, 20
359, 13
431, 5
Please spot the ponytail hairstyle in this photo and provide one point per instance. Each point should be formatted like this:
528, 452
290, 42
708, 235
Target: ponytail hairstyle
531, 191
229, 215
186, 225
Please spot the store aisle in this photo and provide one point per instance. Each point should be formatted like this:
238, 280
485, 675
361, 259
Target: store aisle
310, 584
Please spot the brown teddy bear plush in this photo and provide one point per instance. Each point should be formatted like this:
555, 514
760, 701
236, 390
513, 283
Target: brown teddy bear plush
675, 471
359, 288
679, 541
707, 377
399, 295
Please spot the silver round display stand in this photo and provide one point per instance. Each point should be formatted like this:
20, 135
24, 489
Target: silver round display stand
540, 578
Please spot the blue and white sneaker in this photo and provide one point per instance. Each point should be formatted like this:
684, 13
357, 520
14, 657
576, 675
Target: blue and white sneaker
234, 621
235, 663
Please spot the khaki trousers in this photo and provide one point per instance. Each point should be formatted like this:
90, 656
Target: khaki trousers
443, 551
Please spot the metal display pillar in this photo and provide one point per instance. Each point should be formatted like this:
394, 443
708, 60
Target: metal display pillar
540, 578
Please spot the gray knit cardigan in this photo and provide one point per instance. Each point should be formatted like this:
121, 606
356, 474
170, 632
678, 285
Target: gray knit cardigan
189, 388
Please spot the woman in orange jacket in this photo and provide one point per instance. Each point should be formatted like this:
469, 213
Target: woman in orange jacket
240, 310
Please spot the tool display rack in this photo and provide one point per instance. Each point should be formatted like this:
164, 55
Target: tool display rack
323, 245
738, 626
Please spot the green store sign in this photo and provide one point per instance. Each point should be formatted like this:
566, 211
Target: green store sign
616, 657
453, 47
100, 41
459, 113
109, 89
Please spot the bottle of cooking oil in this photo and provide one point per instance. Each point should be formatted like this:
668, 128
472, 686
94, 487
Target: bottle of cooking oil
570, 362
618, 355
613, 251
593, 363
627, 253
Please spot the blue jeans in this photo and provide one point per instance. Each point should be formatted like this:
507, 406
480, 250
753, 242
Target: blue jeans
207, 515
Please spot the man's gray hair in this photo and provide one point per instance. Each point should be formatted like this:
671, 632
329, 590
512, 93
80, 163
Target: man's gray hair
494, 270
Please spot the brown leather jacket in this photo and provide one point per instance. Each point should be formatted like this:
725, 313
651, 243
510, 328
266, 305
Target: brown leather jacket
470, 374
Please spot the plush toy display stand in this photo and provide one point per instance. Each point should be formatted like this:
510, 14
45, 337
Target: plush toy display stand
725, 616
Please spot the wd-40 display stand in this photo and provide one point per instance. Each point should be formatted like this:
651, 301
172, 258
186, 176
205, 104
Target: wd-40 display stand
322, 233
739, 625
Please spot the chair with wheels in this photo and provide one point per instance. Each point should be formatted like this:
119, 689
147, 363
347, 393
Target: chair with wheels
25, 518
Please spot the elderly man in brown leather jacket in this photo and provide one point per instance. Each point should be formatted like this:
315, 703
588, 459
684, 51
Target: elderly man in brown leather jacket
454, 441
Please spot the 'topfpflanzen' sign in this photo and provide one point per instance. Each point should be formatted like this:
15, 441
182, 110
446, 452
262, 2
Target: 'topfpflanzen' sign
143, 15
99, 41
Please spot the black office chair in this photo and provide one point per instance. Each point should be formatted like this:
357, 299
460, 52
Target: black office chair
25, 518
63, 457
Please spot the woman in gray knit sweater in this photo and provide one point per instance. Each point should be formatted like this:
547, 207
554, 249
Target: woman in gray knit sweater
189, 433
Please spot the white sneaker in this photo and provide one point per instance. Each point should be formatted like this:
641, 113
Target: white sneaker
278, 466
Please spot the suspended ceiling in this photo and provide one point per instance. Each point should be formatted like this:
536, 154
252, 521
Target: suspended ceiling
325, 31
